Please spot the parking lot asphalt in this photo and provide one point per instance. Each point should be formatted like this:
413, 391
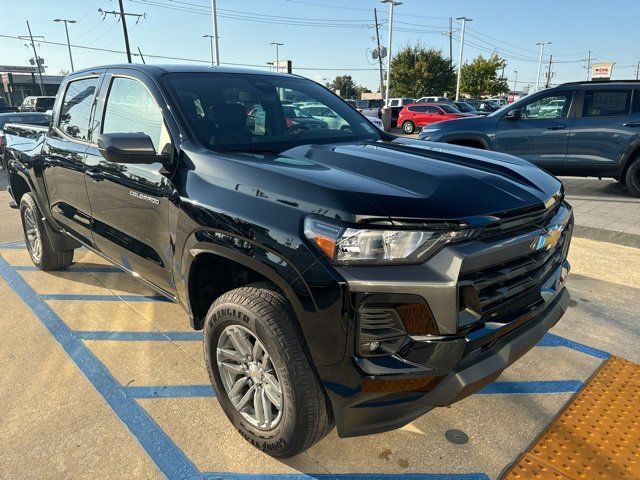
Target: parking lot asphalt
101, 378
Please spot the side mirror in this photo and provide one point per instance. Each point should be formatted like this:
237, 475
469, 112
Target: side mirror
515, 114
127, 148
440, 112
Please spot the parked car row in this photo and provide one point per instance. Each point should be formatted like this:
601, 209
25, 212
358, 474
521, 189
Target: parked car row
581, 128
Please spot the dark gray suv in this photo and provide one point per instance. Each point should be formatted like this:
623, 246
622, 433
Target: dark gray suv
582, 129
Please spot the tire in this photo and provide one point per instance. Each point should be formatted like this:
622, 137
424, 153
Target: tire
408, 127
632, 178
39, 245
259, 313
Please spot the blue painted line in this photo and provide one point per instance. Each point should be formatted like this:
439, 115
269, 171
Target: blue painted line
73, 268
139, 336
542, 386
103, 298
13, 245
552, 340
167, 456
169, 391
345, 476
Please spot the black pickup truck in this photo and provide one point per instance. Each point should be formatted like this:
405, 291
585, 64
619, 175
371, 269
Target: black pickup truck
341, 276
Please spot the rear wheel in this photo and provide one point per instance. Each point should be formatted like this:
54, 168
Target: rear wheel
257, 361
39, 246
632, 178
408, 127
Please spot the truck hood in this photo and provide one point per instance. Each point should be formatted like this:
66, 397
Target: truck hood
399, 179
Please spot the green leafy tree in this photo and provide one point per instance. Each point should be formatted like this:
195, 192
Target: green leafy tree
347, 86
481, 77
417, 71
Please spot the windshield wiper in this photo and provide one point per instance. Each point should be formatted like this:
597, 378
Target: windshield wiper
249, 149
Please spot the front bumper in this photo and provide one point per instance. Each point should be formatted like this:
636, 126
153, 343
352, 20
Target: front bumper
362, 412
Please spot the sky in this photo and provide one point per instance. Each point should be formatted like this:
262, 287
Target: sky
325, 38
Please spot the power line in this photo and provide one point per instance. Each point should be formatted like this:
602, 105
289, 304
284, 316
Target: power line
197, 60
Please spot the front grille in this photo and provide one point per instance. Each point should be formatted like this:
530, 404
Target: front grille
491, 289
512, 225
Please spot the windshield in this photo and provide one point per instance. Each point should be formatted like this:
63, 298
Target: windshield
295, 112
449, 108
229, 111
465, 107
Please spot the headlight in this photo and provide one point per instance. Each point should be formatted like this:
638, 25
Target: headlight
370, 246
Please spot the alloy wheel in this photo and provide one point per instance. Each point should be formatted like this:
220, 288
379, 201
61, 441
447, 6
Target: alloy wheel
34, 240
249, 377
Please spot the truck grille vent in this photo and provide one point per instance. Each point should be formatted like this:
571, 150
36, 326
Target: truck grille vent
491, 289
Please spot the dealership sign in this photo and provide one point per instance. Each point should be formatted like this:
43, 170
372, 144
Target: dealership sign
601, 71
17, 69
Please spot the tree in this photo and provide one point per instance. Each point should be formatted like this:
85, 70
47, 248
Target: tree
348, 88
417, 71
480, 77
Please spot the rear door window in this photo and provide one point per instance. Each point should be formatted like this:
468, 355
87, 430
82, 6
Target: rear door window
76, 108
606, 103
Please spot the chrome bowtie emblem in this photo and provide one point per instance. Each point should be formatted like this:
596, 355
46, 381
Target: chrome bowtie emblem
549, 239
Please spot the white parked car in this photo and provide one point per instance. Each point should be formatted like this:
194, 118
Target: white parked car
333, 121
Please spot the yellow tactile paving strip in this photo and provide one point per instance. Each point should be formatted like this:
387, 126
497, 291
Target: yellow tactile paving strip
596, 436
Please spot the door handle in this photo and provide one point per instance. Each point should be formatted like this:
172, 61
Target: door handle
557, 127
631, 124
96, 175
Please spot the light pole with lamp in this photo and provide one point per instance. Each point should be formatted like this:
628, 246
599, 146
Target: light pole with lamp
386, 112
66, 29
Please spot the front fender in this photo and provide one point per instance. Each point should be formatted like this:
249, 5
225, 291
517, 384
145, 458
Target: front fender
313, 292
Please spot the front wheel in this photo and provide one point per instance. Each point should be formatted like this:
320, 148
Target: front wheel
408, 127
632, 178
40, 248
257, 361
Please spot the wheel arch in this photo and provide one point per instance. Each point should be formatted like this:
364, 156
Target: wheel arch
204, 261
476, 141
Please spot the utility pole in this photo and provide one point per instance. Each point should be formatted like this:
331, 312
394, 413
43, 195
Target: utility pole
589, 66
214, 31
210, 37
124, 29
541, 44
123, 16
375, 16
35, 57
66, 29
392, 3
515, 81
464, 20
277, 45
638, 70
549, 72
450, 40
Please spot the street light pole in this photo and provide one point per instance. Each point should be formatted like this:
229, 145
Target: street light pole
541, 44
214, 26
464, 21
392, 4
515, 81
66, 29
277, 45
210, 37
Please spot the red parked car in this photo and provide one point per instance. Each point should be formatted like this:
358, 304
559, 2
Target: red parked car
421, 114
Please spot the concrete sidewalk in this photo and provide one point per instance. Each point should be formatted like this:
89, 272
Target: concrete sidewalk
604, 210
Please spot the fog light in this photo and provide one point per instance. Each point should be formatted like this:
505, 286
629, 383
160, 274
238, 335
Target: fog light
373, 346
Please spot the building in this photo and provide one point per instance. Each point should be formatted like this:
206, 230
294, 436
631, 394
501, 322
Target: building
21, 82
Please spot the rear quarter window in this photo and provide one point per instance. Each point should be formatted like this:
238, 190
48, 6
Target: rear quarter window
606, 103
